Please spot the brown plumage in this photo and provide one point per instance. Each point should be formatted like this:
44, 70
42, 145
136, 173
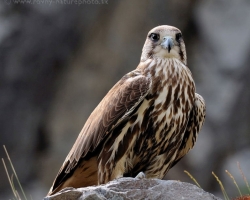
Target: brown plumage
146, 123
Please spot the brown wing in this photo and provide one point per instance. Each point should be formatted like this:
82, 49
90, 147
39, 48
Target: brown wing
116, 106
196, 120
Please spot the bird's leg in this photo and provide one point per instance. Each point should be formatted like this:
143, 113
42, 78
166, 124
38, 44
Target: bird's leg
141, 175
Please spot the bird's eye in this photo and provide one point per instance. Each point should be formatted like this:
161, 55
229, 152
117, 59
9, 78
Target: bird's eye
154, 37
178, 36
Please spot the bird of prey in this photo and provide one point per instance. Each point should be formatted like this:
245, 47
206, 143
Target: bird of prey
146, 123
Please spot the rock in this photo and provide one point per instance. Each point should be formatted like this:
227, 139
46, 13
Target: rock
132, 188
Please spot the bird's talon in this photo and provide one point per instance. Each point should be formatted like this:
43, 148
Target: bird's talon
141, 175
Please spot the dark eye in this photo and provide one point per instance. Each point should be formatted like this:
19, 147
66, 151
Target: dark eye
154, 37
178, 36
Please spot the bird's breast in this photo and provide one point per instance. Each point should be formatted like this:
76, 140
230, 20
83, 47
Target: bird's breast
163, 114
160, 120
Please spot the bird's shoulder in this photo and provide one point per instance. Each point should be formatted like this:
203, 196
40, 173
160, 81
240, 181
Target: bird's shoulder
115, 107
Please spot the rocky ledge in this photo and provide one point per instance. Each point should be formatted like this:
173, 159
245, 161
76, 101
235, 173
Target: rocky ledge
132, 188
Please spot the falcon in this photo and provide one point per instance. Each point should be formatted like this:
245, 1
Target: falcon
146, 123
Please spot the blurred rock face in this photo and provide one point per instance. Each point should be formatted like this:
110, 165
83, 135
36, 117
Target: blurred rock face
58, 61
224, 64
34, 51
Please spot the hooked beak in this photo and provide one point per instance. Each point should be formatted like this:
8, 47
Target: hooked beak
167, 43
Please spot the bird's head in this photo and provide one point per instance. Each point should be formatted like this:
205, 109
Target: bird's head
164, 42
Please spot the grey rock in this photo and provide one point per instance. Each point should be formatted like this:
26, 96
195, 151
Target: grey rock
132, 188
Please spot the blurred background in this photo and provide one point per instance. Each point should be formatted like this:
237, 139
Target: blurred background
58, 59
